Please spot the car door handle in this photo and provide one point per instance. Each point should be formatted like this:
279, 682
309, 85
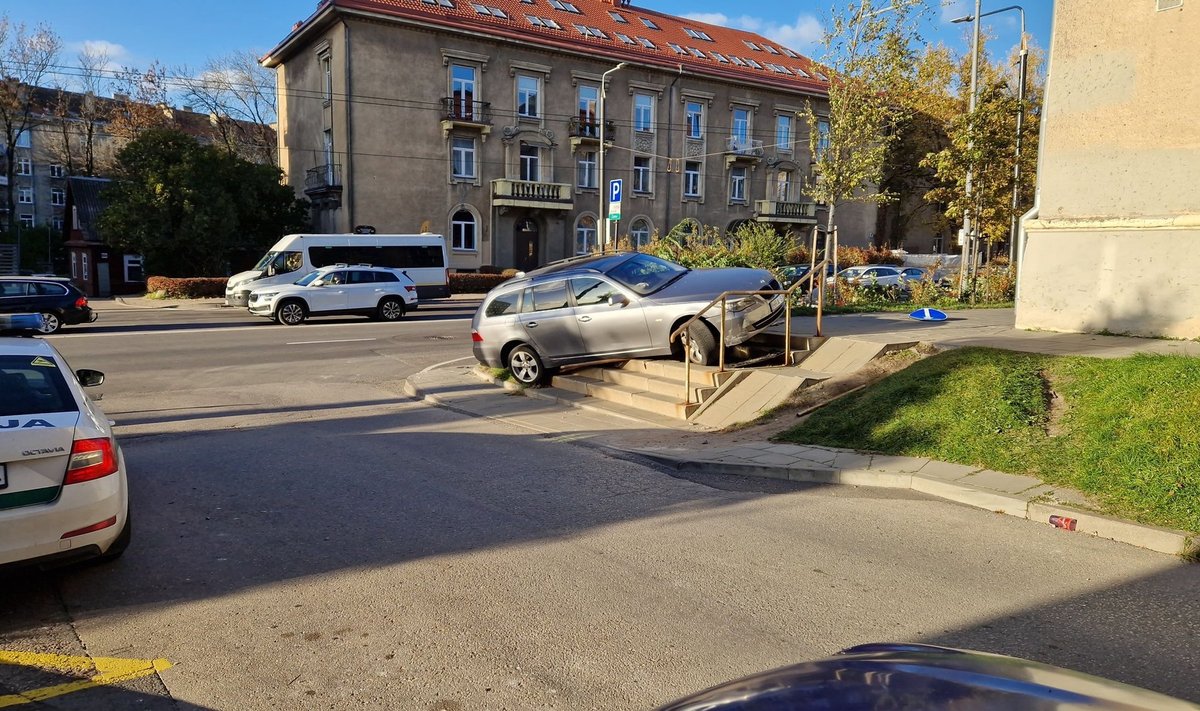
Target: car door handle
585, 319
531, 324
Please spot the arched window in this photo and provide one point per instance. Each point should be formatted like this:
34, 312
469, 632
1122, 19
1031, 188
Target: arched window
639, 233
585, 234
463, 230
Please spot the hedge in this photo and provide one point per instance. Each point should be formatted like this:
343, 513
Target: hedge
191, 288
469, 283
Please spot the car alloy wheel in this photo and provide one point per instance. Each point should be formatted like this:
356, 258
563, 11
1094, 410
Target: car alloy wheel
291, 313
391, 309
525, 365
51, 323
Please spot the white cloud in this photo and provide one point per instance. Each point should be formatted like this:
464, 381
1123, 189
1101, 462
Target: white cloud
116, 53
804, 35
954, 9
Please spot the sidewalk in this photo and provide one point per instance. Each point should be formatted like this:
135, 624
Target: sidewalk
747, 452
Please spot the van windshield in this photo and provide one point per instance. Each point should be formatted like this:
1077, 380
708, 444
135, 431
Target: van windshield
280, 262
262, 263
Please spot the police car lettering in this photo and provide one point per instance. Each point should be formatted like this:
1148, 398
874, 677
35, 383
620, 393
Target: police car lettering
15, 424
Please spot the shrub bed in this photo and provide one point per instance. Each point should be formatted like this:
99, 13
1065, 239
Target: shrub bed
189, 288
469, 283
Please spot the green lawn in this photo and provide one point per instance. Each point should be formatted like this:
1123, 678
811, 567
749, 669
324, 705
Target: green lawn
1128, 433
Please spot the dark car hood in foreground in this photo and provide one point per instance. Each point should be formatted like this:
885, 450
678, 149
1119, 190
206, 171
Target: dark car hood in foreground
916, 676
707, 284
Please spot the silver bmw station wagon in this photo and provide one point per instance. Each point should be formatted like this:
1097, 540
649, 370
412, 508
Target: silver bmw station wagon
622, 305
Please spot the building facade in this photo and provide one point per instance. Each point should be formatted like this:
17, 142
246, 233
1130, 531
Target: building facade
483, 121
1117, 216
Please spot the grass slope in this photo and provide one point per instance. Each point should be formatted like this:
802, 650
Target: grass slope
1128, 433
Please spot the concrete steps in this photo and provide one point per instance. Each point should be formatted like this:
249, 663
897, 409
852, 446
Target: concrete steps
653, 386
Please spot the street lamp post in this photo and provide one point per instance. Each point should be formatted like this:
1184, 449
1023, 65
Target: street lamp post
975, 18
602, 213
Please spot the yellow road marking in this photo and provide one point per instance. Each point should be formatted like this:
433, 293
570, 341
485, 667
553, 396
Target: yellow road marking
101, 671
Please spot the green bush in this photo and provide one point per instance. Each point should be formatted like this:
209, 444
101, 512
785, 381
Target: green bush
186, 288
753, 245
468, 283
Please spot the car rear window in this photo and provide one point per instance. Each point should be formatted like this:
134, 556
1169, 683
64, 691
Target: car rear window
503, 304
33, 385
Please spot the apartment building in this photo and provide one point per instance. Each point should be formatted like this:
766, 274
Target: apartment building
481, 120
1117, 215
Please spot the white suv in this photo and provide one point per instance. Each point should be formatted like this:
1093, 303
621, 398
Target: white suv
383, 293
63, 491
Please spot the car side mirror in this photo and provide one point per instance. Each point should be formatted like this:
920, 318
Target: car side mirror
618, 300
89, 378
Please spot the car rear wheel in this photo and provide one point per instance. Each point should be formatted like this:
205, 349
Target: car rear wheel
526, 366
51, 323
701, 345
291, 313
391, 309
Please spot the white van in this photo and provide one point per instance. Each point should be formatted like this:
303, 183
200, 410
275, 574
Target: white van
422, 257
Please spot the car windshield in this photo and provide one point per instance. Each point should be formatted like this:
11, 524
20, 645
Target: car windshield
262, 263
306, 279
645, 274
33, 385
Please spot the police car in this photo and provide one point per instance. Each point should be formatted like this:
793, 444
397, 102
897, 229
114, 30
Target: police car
385, 294
64, 495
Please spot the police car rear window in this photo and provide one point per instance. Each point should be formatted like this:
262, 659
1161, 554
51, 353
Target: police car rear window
33, 385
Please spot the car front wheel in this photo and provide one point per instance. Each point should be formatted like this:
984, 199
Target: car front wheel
291, 313
526, 366
701, 344
391, 309
51, 323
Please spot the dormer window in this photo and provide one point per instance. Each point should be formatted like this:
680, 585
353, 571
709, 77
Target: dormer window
647, 22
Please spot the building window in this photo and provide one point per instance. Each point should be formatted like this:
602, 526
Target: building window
695, 119
462, 158
327, 135
462, 231
643, 113
57, 223
58, 197
24, 140
85, 273
589, 103
74, 265
462, 88
639, 233
585, 234
642, 175
26, 219
741, 128
691, 178
783, 133
527, 96
822, 136
737, 184
24, 166
57, 171
25, 195
937, 244
783, 185
531, 159
133, 268
586, 177
326, 78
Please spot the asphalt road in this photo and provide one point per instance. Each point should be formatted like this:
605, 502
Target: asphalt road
306, 537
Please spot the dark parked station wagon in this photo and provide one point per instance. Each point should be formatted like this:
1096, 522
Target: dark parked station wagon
57, 300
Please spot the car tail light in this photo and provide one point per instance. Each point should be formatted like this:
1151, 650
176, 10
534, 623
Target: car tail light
81, 302
410, 288
91, 459
475, 337
110, 521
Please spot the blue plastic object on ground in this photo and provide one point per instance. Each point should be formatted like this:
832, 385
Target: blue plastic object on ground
20, 322
928, 315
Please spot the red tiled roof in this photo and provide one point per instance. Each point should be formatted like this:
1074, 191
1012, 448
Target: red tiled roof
781, 68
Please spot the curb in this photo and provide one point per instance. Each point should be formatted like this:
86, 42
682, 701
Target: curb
1161, 540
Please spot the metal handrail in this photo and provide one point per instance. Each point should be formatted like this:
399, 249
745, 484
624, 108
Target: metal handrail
818, 267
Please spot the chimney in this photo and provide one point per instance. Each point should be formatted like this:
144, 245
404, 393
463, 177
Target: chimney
120, 97
187, 108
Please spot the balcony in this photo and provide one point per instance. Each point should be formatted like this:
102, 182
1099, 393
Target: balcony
584, 131
739, 149
804, 213
533, 194
323, 185
460, 113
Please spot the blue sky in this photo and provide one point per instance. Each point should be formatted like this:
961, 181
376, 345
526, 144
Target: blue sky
136, 32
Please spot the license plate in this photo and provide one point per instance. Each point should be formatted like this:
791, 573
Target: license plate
777, 302
3, 476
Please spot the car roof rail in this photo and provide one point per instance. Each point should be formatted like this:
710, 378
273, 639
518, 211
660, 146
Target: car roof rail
582, 257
